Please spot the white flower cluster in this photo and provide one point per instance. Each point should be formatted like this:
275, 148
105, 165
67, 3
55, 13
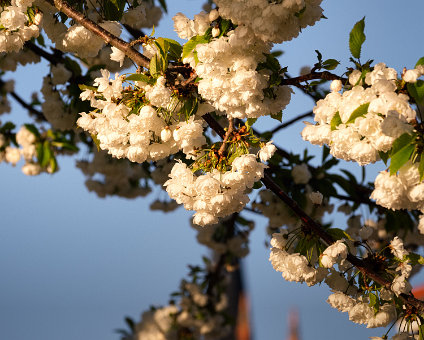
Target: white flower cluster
156, 324
164, 323
119, 177
334, 253
53, 107
215, 194
293, 266
76, 38
274, 21
26, 139
144, 15
16, 25
386, 116
216, 238
411, 76
360, 311
227, 67
142, 136
401, 191
10, 61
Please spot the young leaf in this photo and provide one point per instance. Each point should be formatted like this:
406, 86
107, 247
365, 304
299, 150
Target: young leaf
335, 121
416, 91
330, 64
155, 68
420, 62
250, 122
384, 156
358, 112
401, 142
139, 77
357, 38
278, 116
400, 158
31, 128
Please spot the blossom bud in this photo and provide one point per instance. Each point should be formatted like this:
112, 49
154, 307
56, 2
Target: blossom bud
336, 85
215, 32
166, 134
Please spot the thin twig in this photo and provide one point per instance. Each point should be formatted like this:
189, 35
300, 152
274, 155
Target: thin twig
312, 76
290, 122
226, 136
25, 105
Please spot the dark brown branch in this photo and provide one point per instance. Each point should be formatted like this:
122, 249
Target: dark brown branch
107, 37
54, 58
317, 229
312, 76
25, 105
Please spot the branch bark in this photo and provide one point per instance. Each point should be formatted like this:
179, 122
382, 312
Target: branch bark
107, 37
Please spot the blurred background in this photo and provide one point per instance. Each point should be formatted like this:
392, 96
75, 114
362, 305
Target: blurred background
73, 265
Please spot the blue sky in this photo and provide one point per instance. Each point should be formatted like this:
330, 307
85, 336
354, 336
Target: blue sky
72, 265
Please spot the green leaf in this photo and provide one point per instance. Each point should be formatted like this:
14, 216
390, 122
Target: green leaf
420, 62
421, 167
357, 38
374, 303
384, 156
278, 116
319, 56
250, 122
257, 185
224, 27
400, 158
358, 112
416, 91
330, 64
175, 49
325, 153
83, 87
65, 145
338, 234
113, 9
40, 151
53, 164
414, 259
47, 154
154, 66
401, 142
31, 128
190, 45
139, 77
335, 121
163, 5
96, 141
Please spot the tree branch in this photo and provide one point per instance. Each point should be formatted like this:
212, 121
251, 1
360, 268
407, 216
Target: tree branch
107, 37
292, 121
311, 76
226, 136
25, 105
317, 229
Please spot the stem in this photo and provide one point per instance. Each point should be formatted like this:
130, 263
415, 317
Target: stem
226, 136
109, 38
292, 121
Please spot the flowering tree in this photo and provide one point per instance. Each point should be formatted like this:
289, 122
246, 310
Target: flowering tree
183, 117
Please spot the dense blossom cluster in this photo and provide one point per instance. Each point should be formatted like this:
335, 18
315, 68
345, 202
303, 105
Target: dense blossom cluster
364, 120
214, 194
17, 26
27, 140
279, 20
